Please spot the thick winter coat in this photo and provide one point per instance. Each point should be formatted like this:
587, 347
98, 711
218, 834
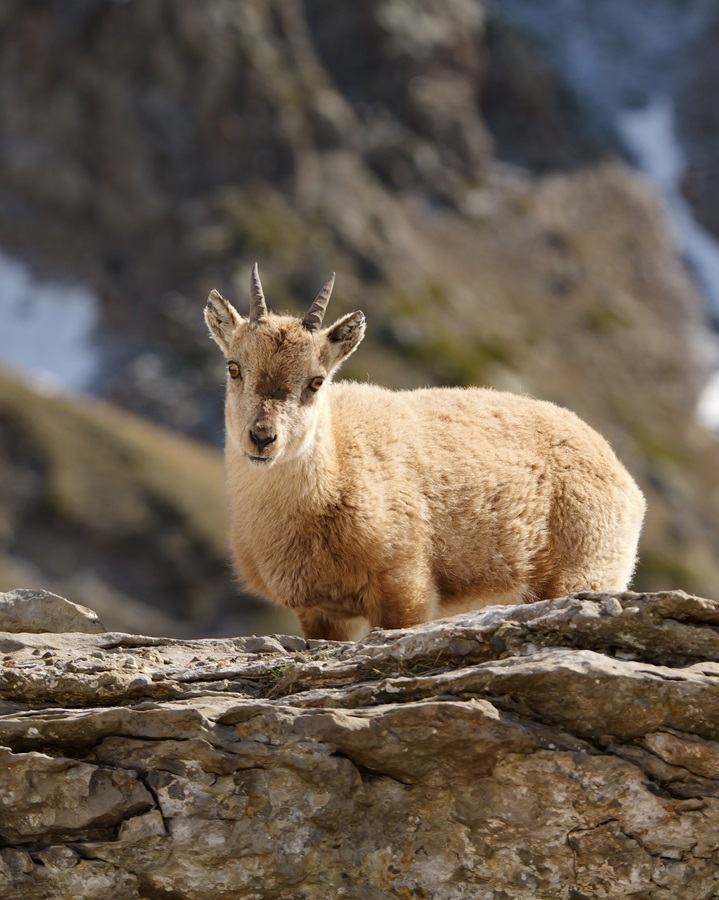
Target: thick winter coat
350, 501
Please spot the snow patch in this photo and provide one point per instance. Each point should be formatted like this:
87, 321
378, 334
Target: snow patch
708, 405
650, 134
625, 61
47, 328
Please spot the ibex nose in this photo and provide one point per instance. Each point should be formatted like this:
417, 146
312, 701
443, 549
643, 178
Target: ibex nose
261, 439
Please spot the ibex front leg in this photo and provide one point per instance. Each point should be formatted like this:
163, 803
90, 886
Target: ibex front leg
316, 625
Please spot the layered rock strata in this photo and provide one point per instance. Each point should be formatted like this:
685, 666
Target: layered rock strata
564, 749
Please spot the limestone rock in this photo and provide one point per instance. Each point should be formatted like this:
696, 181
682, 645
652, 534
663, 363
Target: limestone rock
311, 137
564, 749
40, 611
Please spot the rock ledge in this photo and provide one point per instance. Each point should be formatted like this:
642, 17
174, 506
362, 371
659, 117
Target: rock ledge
564, 749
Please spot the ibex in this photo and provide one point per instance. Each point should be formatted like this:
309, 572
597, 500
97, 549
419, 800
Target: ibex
350, 501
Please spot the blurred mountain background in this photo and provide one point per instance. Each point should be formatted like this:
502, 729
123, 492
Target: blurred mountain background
516, 194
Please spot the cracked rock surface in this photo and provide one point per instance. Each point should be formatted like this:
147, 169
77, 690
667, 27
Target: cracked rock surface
563, 749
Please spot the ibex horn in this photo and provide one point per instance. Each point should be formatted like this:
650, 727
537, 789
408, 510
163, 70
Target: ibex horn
258, 307
314, 315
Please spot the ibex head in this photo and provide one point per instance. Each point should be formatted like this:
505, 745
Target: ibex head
278, 368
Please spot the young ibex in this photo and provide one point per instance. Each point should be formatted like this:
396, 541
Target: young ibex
348, 500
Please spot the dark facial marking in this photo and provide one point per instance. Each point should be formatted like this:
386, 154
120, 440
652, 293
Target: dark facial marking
272, 388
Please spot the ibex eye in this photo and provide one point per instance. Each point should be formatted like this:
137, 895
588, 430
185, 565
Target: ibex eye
233, 369
315, 384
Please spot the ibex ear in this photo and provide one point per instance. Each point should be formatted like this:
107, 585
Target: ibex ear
222, 319
343, 338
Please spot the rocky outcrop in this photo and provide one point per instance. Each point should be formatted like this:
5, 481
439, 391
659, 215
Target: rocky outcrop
564, 749
36, 612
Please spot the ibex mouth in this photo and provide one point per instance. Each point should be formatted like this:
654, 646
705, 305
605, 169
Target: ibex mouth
260, 459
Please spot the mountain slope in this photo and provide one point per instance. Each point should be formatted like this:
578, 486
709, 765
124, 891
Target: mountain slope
156, 150
110, 508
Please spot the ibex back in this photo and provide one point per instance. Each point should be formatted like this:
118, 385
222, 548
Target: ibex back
350, 501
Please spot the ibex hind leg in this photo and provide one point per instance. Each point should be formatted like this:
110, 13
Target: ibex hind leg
600, 562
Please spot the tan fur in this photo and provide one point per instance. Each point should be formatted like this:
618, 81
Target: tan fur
402, 506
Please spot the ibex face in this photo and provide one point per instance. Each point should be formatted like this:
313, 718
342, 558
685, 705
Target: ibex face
278, 370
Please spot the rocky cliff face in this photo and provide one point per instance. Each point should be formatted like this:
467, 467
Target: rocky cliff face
620, 57
155, 150
563, 749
